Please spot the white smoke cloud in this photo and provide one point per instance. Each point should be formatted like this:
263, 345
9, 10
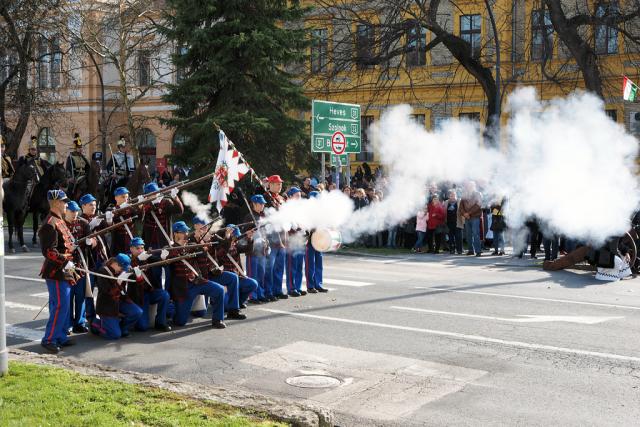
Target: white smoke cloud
564, 161
191, 201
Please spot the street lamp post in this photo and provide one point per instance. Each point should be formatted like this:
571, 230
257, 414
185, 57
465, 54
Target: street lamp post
4, 355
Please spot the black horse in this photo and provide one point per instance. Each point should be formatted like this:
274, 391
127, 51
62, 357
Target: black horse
17, 192
55, 177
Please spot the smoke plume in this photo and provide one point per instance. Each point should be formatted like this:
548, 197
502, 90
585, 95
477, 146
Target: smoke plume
191, 201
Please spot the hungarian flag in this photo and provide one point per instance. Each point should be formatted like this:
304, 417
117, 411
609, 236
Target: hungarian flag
629, 90
229, 169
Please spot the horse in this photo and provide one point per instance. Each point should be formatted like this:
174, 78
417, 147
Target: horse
55, 177
17, 192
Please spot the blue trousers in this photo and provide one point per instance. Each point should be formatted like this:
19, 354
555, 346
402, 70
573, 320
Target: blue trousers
274, 271
77, 304
56, 330
246, 286
232, 292
159, 297
213, 290
256, 270
112, 328
294, 270
313, 267
472, 230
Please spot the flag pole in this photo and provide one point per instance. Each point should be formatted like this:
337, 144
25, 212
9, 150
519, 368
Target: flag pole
4, 355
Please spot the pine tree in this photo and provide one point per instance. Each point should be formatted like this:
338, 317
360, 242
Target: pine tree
234, 56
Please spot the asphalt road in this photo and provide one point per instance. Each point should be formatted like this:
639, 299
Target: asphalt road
414, 340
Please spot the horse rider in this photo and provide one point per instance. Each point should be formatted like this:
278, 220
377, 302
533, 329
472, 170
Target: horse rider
121, 164
78, 167
32, 157
7, 164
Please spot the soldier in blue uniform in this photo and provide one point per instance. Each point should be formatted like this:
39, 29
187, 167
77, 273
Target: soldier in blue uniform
313, 263
117, 312
257, 257
58, 270
295, 253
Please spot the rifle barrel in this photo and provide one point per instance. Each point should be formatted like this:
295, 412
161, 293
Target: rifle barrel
168, 261
107, 229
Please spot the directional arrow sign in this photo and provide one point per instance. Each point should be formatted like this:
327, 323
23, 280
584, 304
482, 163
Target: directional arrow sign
327, 118
585, 320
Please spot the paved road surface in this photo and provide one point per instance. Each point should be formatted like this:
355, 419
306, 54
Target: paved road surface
415, 340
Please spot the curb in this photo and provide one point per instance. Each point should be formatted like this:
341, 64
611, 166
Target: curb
279, 409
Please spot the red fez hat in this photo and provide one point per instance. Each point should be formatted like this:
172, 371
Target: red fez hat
275, 179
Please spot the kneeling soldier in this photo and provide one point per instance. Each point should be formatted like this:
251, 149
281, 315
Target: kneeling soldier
113, 301
149, 290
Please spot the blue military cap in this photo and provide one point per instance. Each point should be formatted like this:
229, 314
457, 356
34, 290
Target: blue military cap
137, 241
236, 230
120, 191
87, 198
198, 220
180, 227
57, 195
314, 194
258, 198
292, 191
123, 260
73, 206
150, 187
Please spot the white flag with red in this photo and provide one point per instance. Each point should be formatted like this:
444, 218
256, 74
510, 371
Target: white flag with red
229, 169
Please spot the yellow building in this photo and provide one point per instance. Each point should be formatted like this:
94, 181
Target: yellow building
344, 66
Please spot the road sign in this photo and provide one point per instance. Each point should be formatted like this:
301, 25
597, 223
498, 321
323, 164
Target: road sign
338, 161
328, 118
338, 143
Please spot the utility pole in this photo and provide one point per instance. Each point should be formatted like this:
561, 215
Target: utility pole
496, 120
4, 354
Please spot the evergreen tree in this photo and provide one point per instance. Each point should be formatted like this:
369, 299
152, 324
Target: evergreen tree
233, 58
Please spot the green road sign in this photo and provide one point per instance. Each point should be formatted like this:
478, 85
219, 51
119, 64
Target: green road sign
343, 160
327, 118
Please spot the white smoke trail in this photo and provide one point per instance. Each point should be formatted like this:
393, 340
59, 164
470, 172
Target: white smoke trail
565, 162
191, 201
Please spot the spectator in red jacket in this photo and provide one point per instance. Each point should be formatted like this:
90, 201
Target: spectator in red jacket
435, 224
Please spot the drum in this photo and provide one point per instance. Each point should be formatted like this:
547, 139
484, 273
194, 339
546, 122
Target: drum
326, 240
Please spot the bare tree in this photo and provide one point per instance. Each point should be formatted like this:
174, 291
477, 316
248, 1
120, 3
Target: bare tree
130, 59
31, 65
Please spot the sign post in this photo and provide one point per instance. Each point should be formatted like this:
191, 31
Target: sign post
335, 129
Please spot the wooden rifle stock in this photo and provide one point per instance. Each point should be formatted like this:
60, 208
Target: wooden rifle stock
168, 261
192, 246
106, 229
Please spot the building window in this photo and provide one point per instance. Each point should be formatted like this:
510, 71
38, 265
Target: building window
366, 152
144, 68
43, 64
146, 143
47, 145
181, 71
473, 117
365, 44
319, 50
418, 118
7, 64
416, 46
541, 35
55, 63
471, 32
612, 114
179, 139
606, 37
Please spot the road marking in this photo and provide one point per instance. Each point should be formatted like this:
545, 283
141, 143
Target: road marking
21, 306
11, 257
44, 295
30, 279
585, 320
456, 335
597, 304
340, 282
23, 333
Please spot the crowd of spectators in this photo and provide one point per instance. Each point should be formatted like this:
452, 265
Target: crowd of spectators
457, 219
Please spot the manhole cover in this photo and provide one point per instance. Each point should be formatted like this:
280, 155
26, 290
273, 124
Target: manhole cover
313, 381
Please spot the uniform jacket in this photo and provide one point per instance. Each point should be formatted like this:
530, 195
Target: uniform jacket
56, 242
122, 163
99, 253
120, 238
79, 229
233, 249
110, 293
77, 165
277, 240
151, 233
182, 275
136, 291
40, 164
260, 243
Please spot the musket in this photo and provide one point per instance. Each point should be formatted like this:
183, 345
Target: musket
187, 247
168, 261
149, 197
106, 229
